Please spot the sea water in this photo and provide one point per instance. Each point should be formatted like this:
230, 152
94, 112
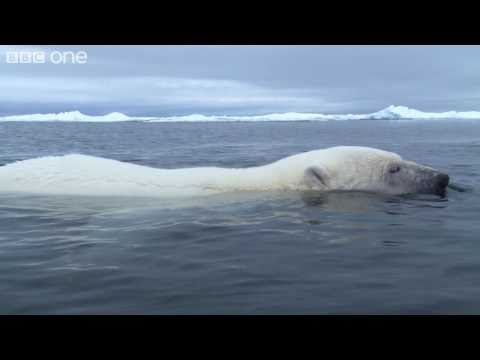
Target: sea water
247, 252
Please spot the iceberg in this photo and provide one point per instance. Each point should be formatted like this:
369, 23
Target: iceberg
402, 112
71, 116
391, 112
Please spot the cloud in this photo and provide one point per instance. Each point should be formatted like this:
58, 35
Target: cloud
151, 91
246, 79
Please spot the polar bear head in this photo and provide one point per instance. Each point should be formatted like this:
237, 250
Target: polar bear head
368, 169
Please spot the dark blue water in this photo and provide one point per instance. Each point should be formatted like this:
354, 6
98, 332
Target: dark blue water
245, 253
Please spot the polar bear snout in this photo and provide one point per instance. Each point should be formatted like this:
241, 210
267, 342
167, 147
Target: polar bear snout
435, 183
441, 182
404, 177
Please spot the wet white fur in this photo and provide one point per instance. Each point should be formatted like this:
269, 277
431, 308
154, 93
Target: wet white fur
344, 167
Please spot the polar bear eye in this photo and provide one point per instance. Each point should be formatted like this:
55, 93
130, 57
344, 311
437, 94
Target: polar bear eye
394, 169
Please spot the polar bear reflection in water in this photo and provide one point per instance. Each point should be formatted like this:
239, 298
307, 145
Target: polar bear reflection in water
349, 168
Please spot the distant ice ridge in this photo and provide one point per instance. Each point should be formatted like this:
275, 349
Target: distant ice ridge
390, 113
402, 112
71, 116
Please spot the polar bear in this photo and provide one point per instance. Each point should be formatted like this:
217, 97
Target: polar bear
366, 169
336, 168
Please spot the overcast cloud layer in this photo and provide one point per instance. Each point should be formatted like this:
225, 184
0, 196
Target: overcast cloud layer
178, 80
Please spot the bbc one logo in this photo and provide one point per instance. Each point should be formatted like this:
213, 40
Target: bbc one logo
42, 57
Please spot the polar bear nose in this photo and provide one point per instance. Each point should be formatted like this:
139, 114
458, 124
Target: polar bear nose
442, 180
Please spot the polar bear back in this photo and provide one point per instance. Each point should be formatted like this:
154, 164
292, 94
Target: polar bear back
88, 175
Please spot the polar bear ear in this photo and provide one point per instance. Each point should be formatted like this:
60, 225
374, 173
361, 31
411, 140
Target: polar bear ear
317, 176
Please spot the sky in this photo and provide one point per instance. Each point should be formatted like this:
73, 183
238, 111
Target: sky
242, 80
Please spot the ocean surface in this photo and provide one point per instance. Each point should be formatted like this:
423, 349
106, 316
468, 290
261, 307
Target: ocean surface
243, 253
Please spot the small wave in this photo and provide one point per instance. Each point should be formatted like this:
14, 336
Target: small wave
390, 113
84, 267
460, 187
